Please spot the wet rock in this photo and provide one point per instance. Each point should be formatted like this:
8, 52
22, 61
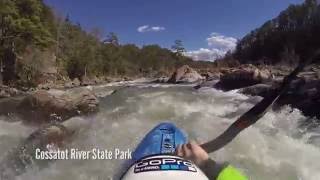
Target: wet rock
17, 160
262, 90
85, 81
46, 86
44, 107
46, 138
211, 75
185, 74
305, 97
127, 79
75, 83
303, 94
244, 76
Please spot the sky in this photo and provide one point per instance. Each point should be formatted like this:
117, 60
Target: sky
207, 28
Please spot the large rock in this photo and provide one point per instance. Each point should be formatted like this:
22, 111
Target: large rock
258, 90
43, 107
211, 75
75, 83
185, 74
86, 81
303, 94
244, 76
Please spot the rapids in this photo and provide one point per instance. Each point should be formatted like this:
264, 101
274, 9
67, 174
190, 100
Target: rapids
279, 147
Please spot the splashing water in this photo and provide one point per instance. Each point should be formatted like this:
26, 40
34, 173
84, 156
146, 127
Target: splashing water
274, 148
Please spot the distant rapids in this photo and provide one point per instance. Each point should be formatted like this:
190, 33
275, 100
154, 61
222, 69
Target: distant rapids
278, 147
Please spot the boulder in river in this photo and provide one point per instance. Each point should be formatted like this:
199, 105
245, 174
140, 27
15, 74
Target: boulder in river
303, 94
211, 75
258, 90
244, 76
185, 74
43, 107
86, 81
75, 83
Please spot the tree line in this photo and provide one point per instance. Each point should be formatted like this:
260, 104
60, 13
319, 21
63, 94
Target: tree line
81, 53
291, 36
29, 26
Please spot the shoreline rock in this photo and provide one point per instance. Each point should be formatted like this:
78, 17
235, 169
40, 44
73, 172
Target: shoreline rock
42, 106
304, 93
185, 74
244, 76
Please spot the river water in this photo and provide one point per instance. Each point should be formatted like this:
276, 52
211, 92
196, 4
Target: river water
278, 147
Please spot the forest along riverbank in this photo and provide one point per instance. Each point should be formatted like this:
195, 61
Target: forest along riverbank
267, 150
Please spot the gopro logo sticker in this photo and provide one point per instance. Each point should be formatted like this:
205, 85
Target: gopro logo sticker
164, 164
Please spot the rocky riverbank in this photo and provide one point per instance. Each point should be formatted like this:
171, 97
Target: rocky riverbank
52, 102
304, 93
43, 107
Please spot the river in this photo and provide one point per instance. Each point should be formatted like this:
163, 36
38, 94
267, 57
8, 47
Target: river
278, 147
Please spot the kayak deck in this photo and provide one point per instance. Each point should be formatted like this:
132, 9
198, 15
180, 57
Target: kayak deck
163, 139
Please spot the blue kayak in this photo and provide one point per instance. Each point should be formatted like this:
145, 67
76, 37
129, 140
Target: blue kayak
163, 139
153, 158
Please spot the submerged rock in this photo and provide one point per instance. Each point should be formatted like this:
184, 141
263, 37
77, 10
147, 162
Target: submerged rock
51, 137
20, 158
185, 74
